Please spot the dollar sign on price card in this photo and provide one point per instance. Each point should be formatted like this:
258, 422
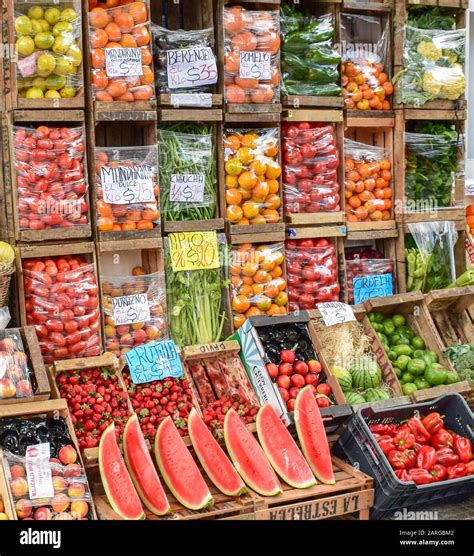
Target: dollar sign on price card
193, 251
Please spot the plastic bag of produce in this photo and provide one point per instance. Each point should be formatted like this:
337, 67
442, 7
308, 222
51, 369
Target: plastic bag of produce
184, 60
196, 285
310, 64
310, 162
252, 56
252, 173
51, 177
121, 57
433, 66
134, 310
365, 64
187, 166
432, 164
127, 188
368, 179
15, 372
257, 283
61, 300
312, 273
47, 39
430, 255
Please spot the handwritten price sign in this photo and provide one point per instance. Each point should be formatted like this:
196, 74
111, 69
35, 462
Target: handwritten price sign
124, 185
193, 251
154, 361
130, 309
365, 287
187, 188
255, 65
191, 67
123, 62
335, 313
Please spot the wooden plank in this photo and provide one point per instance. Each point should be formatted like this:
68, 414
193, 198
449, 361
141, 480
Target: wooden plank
425, 114
311, 115
433, 393
357, 118
271, 237
315, 232
204, 350
164, 99
129, 245
246, 230
369, 226
439, 215
372, 234
316, 218
302, 101
193, 225
462, 4
383, 6
264, 117
190, 114
253, 109
55, 249
50, 116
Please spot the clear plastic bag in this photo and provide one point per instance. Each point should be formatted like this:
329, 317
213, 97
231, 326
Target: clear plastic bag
127, 188
252, 173
187, 166
310, 162
252, 56
312, 273
365, 67
15, 372
62, 303
429, 255
257, 283
48, 48
310, 64
121, 56
134, 311
433, 66
184, 60
368, 180
51, 177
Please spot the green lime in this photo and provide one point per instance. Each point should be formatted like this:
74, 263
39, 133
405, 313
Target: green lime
418, 343
23, 25
398, 320
36, 12
402, 349
407, 377
44, 40
68, 14
392, 355
402, 362
25, 46
421, 383
388, 327
435, 374
416, 367
378, 317
409, 388
452, 377
52, 15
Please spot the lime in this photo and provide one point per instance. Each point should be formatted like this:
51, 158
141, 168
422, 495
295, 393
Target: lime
44, 40
39, 82
418, 354
409, 388
398, 320
421, 383
416, 367
75, 55
378, 317
402, 362
398, 372
62, 44
68, 14
418, 343
55, 82
23, 25
62, 28
34, 92
36, 12
25, 46
392, 355
452, 377
52, 94
407, 377
68, 92
435, 374
35, 27
52, 15
45, 64
45, 26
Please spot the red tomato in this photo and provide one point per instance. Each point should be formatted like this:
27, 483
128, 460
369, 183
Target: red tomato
323, 388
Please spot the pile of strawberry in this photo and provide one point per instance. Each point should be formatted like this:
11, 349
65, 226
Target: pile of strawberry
154, 401
214, 414
95, 398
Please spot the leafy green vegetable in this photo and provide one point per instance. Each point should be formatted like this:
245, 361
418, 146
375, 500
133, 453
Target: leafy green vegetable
427, 17
462, 358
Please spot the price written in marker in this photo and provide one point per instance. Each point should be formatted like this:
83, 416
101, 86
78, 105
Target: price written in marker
125, 185
335, 313
203, 100
191, 67
154, 361
255, 65
193, 251
366, 287
123, 62
187, 188
130, 309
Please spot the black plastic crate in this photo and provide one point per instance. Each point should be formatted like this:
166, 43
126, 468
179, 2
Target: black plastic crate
357, 445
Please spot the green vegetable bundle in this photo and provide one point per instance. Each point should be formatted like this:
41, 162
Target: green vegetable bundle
187, 149
462, 358
310, 65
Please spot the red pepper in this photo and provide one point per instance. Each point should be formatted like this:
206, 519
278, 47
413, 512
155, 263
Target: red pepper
457, 471
392, 429
439, 472
433, 422
397, 459
446, 456
420, 476
463, 448
441, 439
378, 429
402, 475
411, 459
386, 443
421, 434
470, 467
426, 458
404, 440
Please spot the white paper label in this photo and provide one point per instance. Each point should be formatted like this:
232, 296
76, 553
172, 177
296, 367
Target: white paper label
130, 309
335, 313
255, 65
124, 185
27, 66
203, 100
38, 471
191, 67
187, 188
123, 62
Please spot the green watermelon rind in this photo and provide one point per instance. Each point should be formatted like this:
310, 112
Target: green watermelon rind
350, 398
366, 373
345, 382
239, 467
261, 437
110, 430
297, 413
376, 394
136, 482
217, 481
206, 503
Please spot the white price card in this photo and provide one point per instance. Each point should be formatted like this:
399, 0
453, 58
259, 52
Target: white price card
255, 65
130, 309
123, 62
187, 188
203, 100
191, 67
335, 313
38, 471
125, 185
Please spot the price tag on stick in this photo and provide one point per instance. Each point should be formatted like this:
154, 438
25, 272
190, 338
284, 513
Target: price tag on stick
154, 361
193, 251
335, 313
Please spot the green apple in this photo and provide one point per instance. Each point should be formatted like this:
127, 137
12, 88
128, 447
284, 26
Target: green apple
23, 25
39, 82
68, 14
62, 43
44, 40
35, 27
64, 67
52, 94
52, 15
34, 92
45, 64
36, 12
25, 46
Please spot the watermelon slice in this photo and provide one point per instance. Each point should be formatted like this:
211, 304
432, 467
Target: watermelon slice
118, 485
143, 472
213, 458
178, 468
312, 436
248, 456
281, 450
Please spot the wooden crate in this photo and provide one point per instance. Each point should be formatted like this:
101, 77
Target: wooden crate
418, 318
13, 100
47, 408
33, 119
381, 6
8, 506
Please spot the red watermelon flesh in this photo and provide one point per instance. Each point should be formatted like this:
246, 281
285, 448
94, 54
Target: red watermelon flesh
213, 458
248, 456
312, 436
142, 470
178, 468
118, 485
281, 449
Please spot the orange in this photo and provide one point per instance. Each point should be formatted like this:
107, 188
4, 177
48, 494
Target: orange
141, 35
246, 83
259, 167
354, 202
233, 197
129, 226
117, 88
124, 21
138, 11
233, 20
273, 170
273, 202
105, 224
134, 214
276, 272
126, 97
144, 92
246, 290
253, 312
144, 225
234, 213
150, 214
262, 95
98, 58
232, 142
281, 299
235, 94
99, 78
385, 164
238, 321
273, 186
361, 213
250, 209
245, 155
147, 57
244, 41
269, 41
231, 182
376, 215
232, 61
260, 191
247, 180
113, 32
262, 277
246, 194
128, 41
271, 216
103, 208
99, 38
258, 220
386, 175
147, 78
240, 304
99, 18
